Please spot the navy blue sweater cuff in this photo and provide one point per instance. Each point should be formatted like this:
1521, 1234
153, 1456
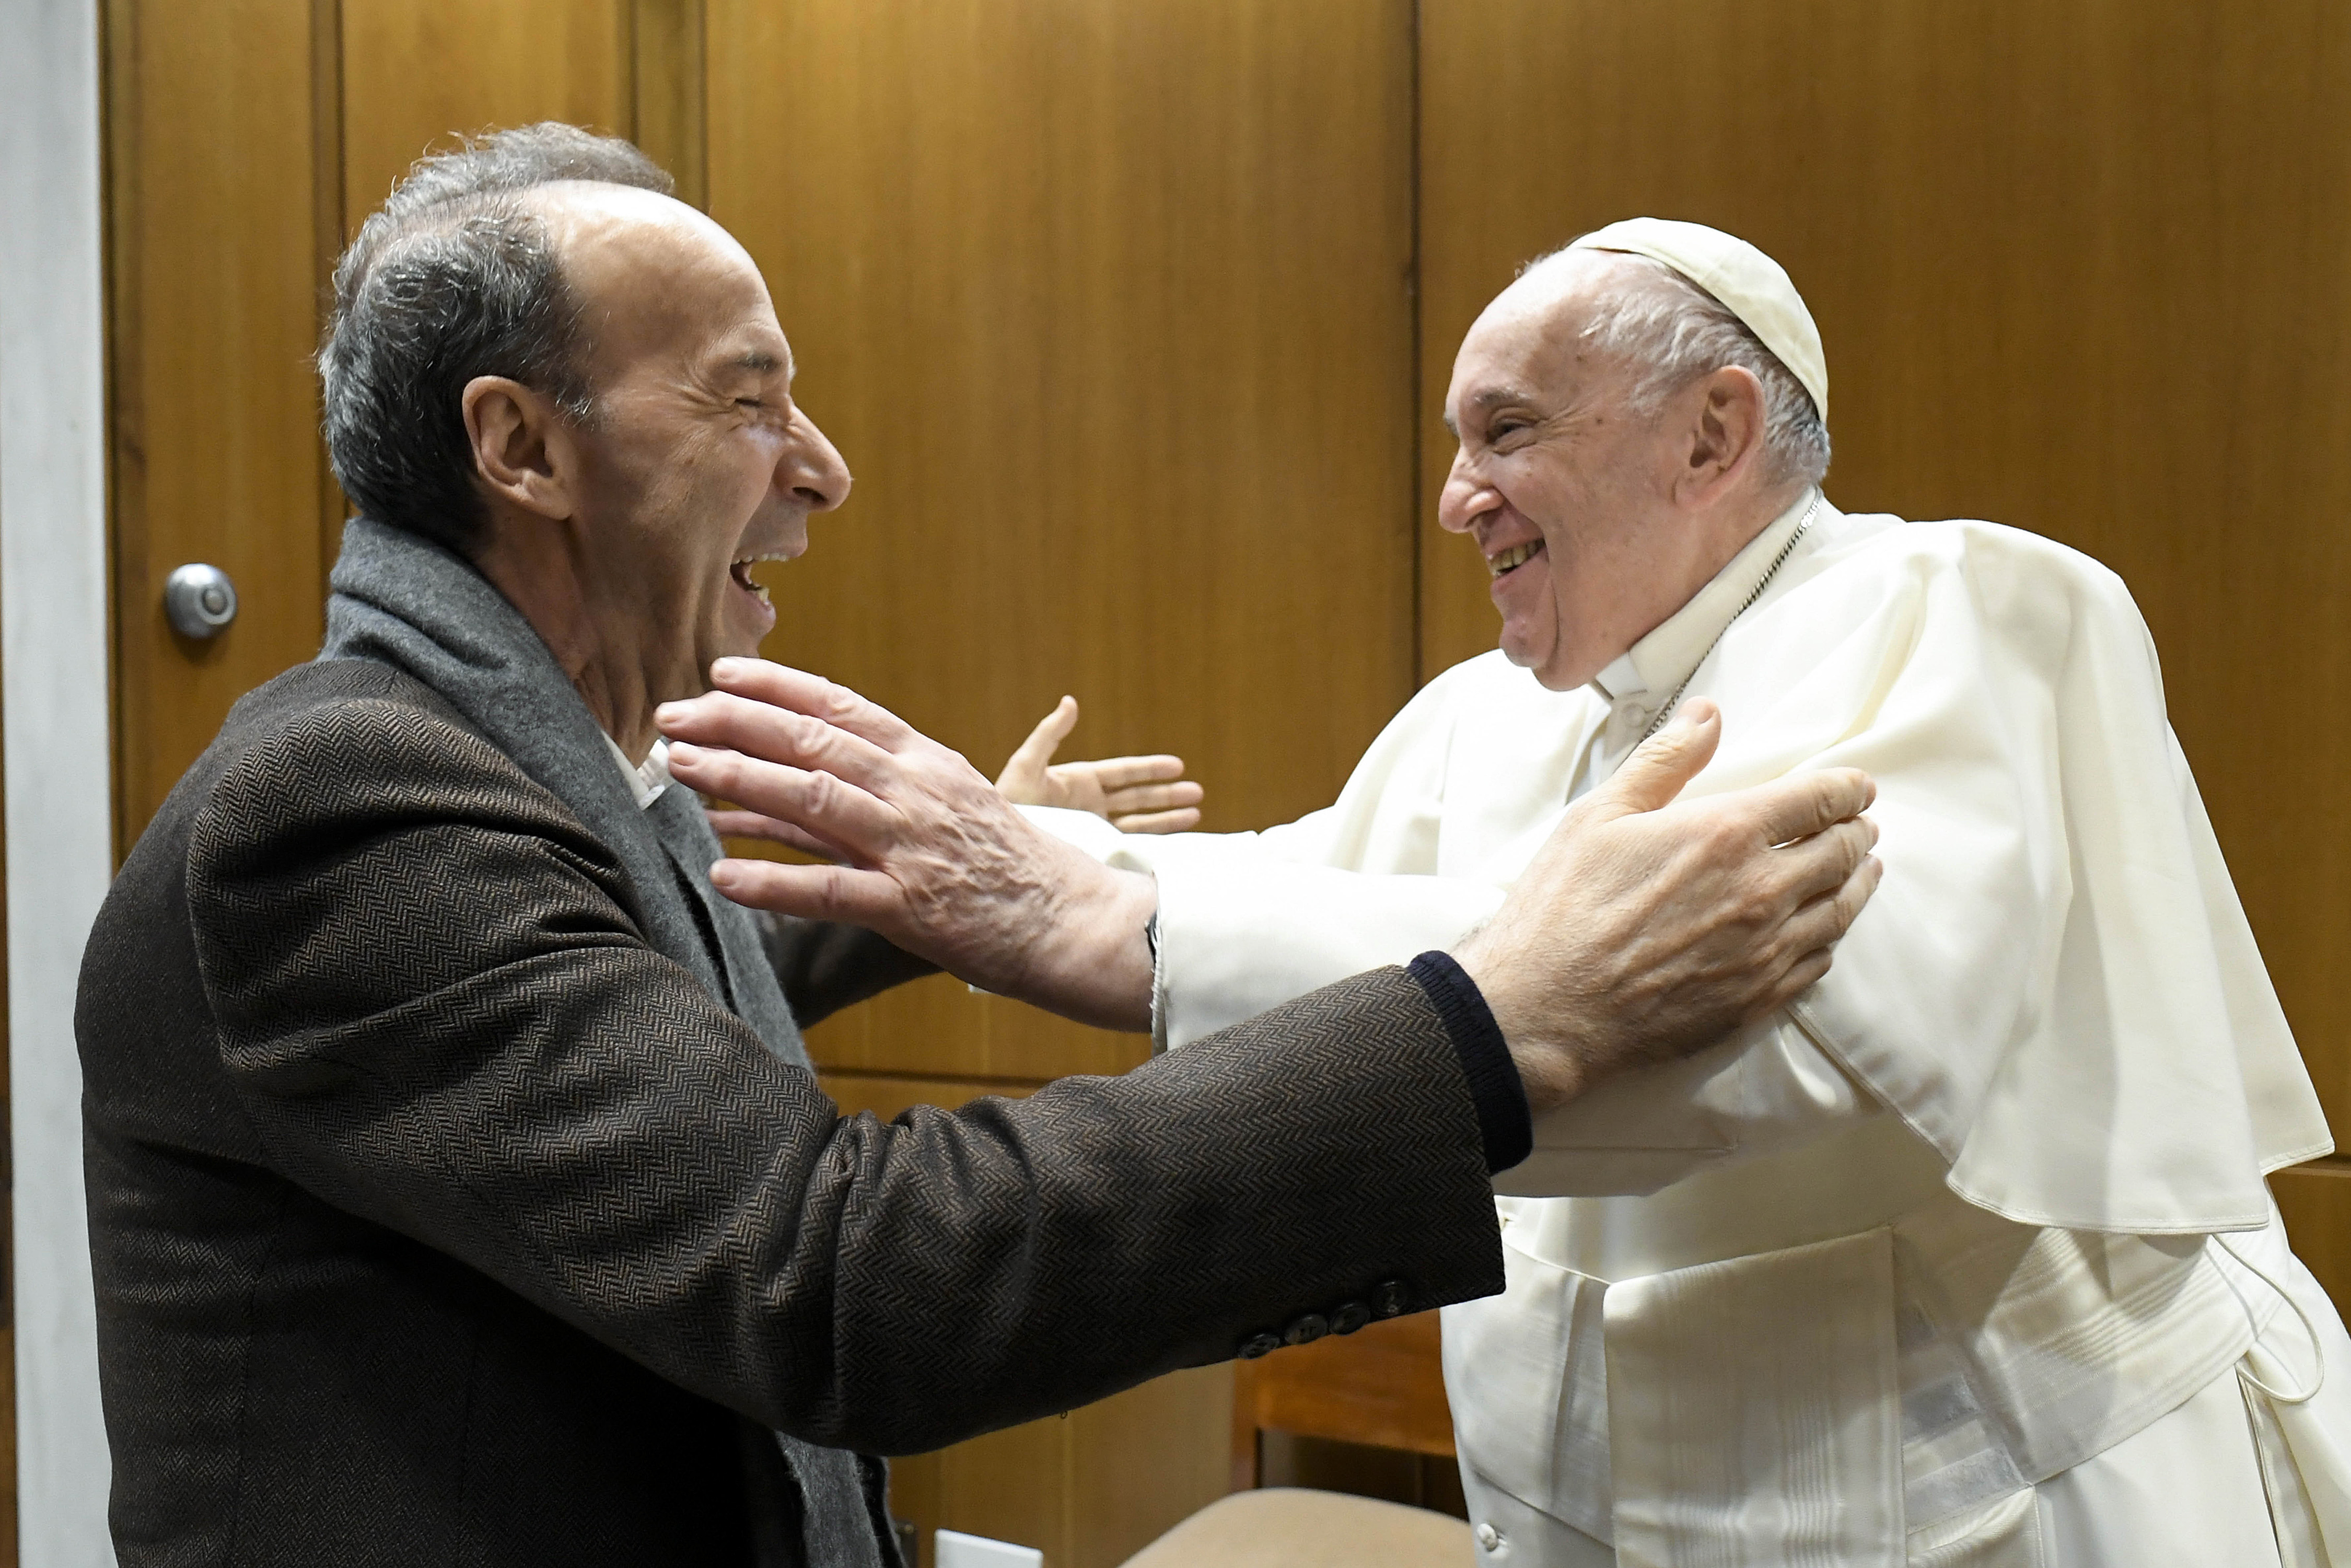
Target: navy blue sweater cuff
1503, 1119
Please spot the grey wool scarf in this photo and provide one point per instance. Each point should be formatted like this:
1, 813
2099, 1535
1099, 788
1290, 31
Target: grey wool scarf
401, 601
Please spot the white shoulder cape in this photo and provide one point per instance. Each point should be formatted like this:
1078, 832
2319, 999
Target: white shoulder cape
2055, 985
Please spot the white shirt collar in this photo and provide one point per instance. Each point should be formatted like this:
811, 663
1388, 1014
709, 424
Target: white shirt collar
1659, 662
647, 779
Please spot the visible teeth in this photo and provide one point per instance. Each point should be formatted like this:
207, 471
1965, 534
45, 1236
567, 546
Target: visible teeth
1502, 562
741, 572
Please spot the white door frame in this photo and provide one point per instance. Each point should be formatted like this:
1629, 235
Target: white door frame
53, 682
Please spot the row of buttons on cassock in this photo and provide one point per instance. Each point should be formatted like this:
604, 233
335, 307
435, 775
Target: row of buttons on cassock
1389, 1298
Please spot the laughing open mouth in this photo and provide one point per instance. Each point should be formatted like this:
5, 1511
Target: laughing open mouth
1503, 562
741, 572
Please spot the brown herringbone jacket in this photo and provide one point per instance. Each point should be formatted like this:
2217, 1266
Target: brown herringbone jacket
438, 1218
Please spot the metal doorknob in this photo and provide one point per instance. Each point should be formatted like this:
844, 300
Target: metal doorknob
200, 600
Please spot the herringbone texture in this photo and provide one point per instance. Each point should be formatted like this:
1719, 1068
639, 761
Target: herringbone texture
437, 1218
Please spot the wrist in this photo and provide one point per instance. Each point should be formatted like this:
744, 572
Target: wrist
1542, 1046
1092, 960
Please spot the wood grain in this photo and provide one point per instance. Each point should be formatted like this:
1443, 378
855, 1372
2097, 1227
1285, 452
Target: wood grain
940, 1027
1106, 304
2078, 268
1382, 1387
417, 73
2315, 1200
213, 408
666, 91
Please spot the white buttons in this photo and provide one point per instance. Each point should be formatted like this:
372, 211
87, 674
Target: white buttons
1489, 1538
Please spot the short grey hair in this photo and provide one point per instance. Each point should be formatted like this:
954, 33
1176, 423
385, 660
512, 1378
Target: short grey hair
455, 277
1672, 332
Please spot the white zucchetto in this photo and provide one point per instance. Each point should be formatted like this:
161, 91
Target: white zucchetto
1751, 285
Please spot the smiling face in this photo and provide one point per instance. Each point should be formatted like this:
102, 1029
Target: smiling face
1598, 519
696, 463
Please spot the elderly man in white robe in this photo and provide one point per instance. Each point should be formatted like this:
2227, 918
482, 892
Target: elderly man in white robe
1964, 1257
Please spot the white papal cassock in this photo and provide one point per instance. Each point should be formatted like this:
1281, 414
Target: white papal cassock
1964, 1258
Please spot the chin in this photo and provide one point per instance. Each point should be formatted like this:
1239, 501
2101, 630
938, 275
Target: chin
1520, 650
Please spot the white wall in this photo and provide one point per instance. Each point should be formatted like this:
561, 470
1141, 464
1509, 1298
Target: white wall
53, 697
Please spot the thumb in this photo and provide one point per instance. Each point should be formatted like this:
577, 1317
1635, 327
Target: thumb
1666, 762
1043, 741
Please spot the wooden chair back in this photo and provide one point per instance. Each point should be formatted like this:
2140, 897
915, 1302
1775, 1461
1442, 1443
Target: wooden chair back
1382, 1387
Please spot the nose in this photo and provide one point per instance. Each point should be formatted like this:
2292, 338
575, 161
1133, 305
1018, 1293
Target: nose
1466, 496
812, 467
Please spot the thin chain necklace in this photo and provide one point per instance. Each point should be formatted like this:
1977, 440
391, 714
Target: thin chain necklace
1769, 572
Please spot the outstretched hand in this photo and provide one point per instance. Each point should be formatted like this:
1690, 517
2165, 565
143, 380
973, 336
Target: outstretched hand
925, 850
1645, 928
1137, 794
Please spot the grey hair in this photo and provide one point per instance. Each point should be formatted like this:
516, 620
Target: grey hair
1672, 332
456, 277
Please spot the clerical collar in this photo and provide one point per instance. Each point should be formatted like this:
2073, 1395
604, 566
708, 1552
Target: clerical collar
646, 779
1661, 661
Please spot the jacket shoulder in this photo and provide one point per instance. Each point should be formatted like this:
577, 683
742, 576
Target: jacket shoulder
330, 756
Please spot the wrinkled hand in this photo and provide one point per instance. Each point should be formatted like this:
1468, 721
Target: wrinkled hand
927, 852
1644, 930
1137, 794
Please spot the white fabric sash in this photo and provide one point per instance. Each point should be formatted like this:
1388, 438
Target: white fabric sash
1822, 1404
1774, 1449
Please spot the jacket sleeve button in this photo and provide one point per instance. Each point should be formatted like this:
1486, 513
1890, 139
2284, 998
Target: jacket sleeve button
1389, 1298
1350, 1316
1258, 1344
1308, 1328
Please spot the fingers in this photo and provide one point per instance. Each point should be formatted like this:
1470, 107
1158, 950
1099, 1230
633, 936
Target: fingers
1793, 808
779, 685
1179, 821
720, 720
1809, 937
1664, 763
1818, 865
1799, 978
1153, 798
812, 891
1030, 759
1822, 920
1115, 773
751, 825
819, 804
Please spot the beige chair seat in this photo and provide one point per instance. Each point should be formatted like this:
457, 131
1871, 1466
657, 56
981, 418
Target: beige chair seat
1289, 1527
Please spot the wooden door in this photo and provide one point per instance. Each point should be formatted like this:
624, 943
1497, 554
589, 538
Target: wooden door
2078, 268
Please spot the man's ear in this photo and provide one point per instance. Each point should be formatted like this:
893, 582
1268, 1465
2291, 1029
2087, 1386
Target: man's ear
1727, 437
523, 451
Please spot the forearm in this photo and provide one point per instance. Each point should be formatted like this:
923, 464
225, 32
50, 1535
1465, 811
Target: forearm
1289, 1168
1240, 933
650, 1174
520, 1083
1089, 955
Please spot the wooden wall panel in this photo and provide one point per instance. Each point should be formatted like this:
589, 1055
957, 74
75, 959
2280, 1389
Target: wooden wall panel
1127, 396
1106, 303
215, 410
2315, 1200
667, 91
417, 71
938, 1027
2078, 268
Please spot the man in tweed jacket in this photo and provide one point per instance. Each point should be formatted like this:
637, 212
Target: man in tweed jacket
459, 1189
